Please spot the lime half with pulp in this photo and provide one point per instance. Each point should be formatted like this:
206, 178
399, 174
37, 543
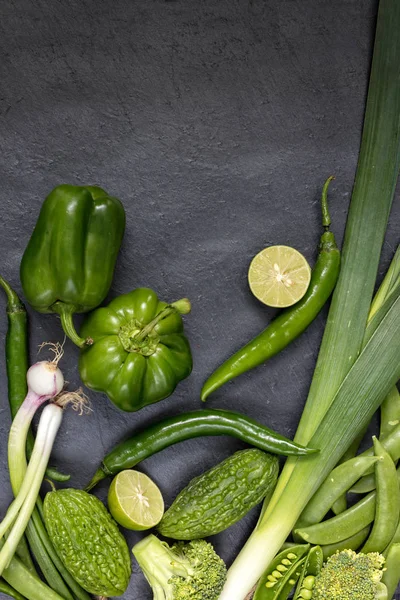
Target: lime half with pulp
279, 276
135, 501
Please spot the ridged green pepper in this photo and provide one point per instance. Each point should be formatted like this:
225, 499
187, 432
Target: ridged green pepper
69, 262
139, 352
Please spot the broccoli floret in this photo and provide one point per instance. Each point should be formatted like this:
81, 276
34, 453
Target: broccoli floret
184, 571
348, 575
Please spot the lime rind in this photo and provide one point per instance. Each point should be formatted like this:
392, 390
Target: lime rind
279, 276
135, 501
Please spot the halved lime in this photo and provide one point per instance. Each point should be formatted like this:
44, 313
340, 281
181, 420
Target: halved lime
279, 276
135, 501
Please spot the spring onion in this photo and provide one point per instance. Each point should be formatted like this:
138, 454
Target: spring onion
21, 509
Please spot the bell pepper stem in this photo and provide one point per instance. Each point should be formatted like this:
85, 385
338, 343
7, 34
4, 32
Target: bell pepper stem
181, 306
66, 312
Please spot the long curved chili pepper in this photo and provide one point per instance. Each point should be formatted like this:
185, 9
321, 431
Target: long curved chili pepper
292, 321
190, 425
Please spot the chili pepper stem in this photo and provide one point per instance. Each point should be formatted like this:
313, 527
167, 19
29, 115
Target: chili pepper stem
66, 312
14, 304
326, 218
181, 306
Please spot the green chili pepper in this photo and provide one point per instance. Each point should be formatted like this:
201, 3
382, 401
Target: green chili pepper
68, 264
387, 502
17, 363
311, 568
282, 574
190, 425
139, 353
390, 412
292, 321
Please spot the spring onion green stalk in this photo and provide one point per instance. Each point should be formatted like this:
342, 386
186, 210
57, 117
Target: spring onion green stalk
45, 381
21, 509
26, 583
9, 591
348, 386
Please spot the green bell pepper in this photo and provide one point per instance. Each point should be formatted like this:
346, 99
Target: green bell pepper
139, 353
69, 262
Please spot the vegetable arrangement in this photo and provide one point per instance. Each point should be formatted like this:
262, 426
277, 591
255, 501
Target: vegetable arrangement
312, 539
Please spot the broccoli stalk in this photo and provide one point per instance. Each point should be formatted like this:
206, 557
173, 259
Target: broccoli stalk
184, 571
348, 575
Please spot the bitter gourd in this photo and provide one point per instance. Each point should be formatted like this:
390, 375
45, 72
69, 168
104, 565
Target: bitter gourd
220, 497
88, 541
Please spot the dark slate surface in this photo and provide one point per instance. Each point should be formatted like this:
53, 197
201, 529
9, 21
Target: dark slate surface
216, 123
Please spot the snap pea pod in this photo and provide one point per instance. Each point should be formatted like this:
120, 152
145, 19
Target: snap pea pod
279, 572
311, 568
352, 543
343, 526
340, 504
391, 443
391, 574
387, 510
291, 322
338, 482
190, 425
290, 580
390, 412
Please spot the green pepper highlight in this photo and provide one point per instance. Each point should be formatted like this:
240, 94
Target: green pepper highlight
69, 262
139, 352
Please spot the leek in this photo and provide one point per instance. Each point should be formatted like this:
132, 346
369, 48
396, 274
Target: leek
348, 386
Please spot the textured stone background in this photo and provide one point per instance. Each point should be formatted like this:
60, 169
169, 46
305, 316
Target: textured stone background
216, 123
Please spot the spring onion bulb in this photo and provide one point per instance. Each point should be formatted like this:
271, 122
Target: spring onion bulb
45, 381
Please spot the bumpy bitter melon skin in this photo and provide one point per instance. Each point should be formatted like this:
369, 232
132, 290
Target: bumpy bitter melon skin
88, 541
220, 497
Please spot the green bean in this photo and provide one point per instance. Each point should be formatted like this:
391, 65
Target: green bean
337, 483
391, 574
352, 543
343, 526
387, 510
311, 568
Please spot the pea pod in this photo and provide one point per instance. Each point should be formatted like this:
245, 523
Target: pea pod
387, 502
391, 574
291, 579
338, 482
352, 543
343, 526
280, 571
311, 568
390, 412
